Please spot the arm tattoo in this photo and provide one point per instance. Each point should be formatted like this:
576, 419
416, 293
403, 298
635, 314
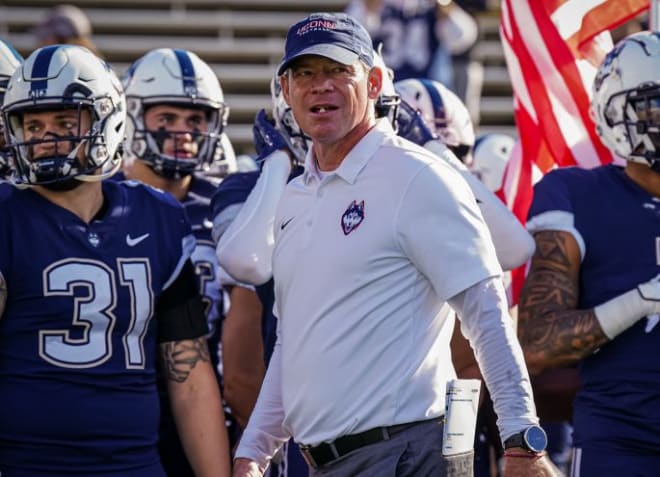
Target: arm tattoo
180, 357
552, 331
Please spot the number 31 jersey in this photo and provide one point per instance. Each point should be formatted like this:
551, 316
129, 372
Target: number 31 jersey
78, 344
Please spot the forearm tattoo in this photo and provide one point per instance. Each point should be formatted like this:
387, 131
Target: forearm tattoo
180, 357
551, 330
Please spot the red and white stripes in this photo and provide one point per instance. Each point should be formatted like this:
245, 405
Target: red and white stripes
552, 49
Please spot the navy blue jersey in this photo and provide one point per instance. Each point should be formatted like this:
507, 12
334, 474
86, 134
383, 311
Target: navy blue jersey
409, 40
618, 226
78, 343
197, 204
197, 207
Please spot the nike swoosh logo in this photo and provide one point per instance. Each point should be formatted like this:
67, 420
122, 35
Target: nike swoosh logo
284, 224
132, 242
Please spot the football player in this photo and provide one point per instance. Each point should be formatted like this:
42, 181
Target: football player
10, 59
174, 138
96, 286
592, 296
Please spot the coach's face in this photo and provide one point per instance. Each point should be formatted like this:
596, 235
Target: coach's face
331, 102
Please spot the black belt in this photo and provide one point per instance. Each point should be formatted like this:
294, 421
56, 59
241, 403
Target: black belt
319, 455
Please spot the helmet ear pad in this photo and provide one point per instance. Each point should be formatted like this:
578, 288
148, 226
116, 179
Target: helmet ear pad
625, 104
75, 79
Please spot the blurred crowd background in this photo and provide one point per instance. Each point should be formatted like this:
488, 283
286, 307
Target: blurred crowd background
243, 41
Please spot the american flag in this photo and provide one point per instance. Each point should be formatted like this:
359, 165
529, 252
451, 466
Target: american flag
553, 49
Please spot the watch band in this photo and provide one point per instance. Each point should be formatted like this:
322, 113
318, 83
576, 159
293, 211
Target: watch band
515, 440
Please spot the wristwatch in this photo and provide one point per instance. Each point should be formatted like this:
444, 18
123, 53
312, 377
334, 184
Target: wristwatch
532, 439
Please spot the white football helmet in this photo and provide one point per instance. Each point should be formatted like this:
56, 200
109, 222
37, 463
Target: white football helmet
176, 77
626, 99
66, 77
442, 111
489, 157
286, 124
9, 61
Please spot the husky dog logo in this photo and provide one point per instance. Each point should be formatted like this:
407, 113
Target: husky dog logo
353, 217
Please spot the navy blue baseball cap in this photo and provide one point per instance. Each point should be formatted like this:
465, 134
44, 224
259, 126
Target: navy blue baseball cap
337, 36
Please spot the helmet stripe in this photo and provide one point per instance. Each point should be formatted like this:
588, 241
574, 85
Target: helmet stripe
436, 99
187, 71
40, 70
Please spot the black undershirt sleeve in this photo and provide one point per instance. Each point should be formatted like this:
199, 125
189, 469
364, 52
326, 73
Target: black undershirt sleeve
179, 310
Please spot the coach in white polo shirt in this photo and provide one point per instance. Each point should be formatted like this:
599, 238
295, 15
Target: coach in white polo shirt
371, 242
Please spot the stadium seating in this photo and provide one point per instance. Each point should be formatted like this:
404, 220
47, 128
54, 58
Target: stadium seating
241, 39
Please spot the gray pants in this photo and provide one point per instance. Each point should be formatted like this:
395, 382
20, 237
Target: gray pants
414, 452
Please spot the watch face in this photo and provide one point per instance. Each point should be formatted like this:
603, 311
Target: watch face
536, 439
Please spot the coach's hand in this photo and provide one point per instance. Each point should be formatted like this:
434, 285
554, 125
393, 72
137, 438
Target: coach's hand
246, 468
522, 464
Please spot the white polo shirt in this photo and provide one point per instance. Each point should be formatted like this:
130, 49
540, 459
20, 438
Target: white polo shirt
363, 264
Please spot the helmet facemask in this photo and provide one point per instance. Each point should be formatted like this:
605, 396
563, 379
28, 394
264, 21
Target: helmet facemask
75, 157
177, 78
286, 124
642, 121
149, 144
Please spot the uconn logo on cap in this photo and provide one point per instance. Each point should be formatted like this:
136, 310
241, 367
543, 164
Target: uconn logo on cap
316, 25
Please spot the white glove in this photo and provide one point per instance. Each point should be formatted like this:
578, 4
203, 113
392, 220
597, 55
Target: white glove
650, 291
620, 313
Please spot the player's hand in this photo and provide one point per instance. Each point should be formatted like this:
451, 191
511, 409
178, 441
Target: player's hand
411, 125
267, 139
529, 466
246, 468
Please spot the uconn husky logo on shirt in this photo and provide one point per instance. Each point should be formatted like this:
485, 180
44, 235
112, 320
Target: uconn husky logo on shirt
353, 217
